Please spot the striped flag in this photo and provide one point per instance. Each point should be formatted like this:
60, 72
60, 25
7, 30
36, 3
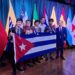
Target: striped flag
35, 14
69, 28
12, 15
53, 16
45, 16
24, 15
38, 45
62, 17
10, 23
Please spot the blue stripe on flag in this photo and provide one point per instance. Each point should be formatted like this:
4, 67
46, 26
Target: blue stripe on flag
34, 35
33, 55
44, 43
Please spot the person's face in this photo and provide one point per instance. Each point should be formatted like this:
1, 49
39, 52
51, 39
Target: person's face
60, 23
51, 23
18, 23
28, 23
37, 23
43, 20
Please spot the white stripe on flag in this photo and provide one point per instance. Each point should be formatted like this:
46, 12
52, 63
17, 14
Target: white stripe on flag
41, 48
42, 38
14, 47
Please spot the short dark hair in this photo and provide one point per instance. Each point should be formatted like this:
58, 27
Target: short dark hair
19, 19
27, 20
36, 21
51, 20
42, 18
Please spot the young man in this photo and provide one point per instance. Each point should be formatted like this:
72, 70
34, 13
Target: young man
27, 28
61, 34
10, 47
42, 25
51, 28
36, 27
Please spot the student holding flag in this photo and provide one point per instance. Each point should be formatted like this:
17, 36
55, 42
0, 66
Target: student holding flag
51, 28
37, 29
10, 47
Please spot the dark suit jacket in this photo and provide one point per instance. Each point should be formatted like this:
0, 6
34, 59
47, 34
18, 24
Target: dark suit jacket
13, 30
10, 43
61, 36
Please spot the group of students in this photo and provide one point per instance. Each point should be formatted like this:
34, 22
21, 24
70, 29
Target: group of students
27, 28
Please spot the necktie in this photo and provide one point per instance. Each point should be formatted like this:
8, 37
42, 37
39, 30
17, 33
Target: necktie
18, 31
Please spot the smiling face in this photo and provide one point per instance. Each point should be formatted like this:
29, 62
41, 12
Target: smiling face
18, 23
36, 23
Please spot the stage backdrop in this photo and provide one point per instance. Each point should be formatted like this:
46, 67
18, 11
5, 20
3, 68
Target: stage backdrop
28, 6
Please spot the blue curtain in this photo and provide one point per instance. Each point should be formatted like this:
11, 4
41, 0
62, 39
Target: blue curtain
4, 7
28, 5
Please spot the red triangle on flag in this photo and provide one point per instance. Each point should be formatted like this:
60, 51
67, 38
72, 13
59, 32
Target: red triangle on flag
21, 47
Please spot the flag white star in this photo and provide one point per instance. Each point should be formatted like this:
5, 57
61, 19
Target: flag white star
22, 46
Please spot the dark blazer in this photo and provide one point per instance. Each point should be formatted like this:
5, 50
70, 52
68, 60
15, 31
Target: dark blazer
13, 30
61, 36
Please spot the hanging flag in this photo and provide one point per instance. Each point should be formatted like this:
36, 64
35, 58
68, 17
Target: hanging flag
62, 17
10, 23
69, 28
3, 38
12, 15
24, 15
45, 16
73, 31
35, 14
53, 16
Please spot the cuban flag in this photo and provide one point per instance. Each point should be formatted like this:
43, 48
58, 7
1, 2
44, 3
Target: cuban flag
45, 16
31, 46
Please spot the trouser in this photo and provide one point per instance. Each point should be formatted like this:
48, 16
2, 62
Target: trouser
10, 56
59, 52
48, 55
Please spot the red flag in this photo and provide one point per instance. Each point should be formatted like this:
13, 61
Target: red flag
21, 46
45, 15
62, 17
44, 12
3, 38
